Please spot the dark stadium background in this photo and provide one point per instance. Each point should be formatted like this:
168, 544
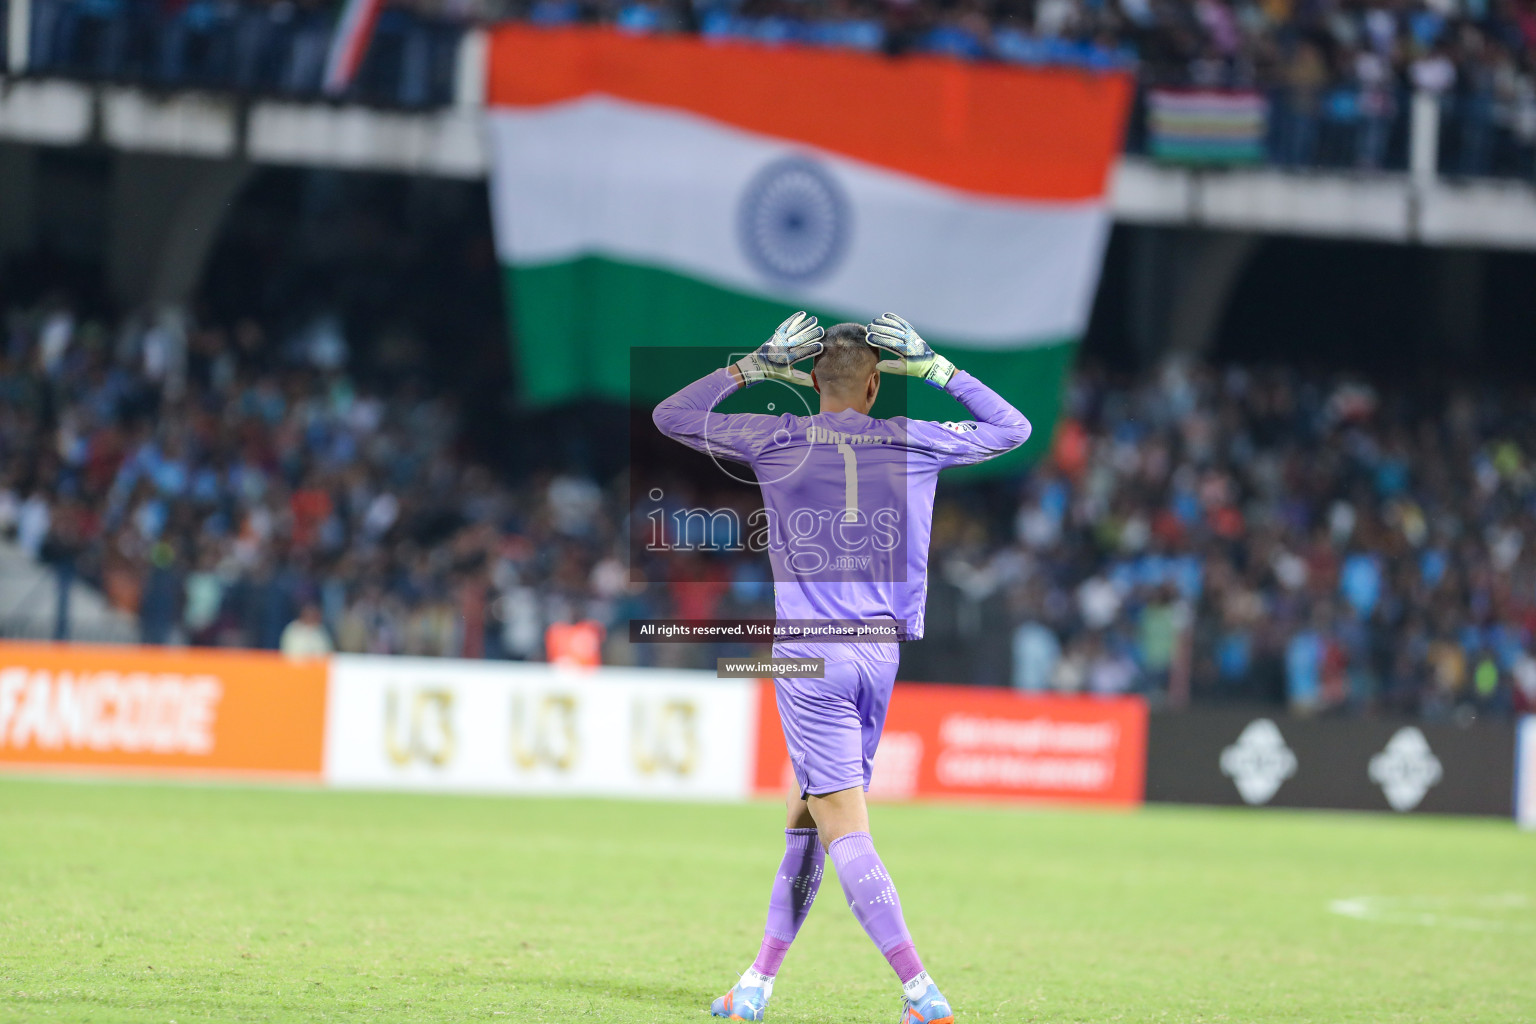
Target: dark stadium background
404, 267
407, 264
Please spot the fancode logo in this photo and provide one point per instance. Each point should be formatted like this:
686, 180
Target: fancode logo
158, 713
1259, 762
1406, 769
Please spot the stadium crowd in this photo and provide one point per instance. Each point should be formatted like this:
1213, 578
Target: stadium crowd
1337, 74
1266, 533
1239, 533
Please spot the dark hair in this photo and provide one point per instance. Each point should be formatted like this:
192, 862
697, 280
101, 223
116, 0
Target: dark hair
847, 359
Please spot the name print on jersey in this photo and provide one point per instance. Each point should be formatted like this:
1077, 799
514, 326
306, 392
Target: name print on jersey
818, 434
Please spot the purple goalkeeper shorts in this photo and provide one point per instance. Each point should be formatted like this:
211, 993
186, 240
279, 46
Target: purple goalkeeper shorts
832, 725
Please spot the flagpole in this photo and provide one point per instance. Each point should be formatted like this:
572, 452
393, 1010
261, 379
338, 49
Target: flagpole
349, 44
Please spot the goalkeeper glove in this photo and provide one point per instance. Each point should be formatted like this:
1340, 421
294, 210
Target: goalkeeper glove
915, 357
797, 338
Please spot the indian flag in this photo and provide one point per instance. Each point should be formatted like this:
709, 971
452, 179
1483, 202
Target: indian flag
662, 191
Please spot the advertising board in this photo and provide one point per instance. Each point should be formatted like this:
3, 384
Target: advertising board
965, 742
160, 709
425, 723
1237, 757
1525, 778
480, 726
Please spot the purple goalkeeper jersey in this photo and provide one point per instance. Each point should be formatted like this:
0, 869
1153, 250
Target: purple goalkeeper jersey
848, 499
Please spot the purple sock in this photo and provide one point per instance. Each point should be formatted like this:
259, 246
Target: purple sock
873, 900
794, 890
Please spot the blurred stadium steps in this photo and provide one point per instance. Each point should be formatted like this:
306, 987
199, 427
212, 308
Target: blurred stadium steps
29, 600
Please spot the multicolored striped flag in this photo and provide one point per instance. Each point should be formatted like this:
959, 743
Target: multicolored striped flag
349, 44
1207, 126
667, 191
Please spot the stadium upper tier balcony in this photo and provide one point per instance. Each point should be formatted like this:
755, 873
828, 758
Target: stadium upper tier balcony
276, 49
1420, 150
1342, 99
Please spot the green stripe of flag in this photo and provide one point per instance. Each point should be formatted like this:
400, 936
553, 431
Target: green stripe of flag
575, 323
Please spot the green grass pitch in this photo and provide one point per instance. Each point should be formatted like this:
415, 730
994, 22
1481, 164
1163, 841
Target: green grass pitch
138, 902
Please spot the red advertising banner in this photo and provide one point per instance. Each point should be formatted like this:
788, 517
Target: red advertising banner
963, 742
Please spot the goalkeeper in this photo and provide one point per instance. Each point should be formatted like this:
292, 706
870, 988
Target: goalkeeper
867, 486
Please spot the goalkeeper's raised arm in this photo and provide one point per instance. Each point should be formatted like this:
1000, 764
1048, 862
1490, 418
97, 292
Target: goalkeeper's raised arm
998, 426
688, 416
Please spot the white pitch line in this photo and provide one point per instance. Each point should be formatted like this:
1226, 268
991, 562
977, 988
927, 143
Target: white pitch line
1432, 911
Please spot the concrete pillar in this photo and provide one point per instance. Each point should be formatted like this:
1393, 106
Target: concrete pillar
1424, 137
471, 68
1456, 295
165, 213
1212, 262
1151, 277
18, 36
18, 198
1181, 282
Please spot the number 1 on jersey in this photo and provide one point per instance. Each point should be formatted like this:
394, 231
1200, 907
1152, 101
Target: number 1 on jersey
850, 483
